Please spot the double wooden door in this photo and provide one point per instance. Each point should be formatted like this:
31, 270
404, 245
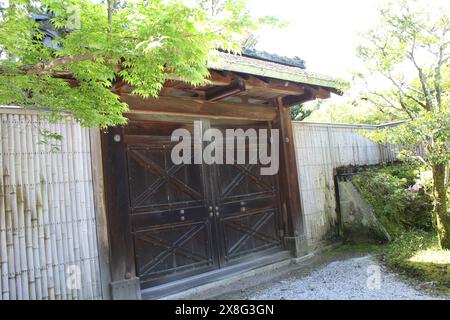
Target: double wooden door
191, 218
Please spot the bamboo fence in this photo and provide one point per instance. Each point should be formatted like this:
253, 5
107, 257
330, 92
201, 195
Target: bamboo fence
320, 149
48, 247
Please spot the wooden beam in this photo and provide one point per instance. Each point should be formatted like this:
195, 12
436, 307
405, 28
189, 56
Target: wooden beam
319, 92
219, 93
220, 78
290, 101
310, 94
189, 107
281, 87
175, 92
277, 86
289, 185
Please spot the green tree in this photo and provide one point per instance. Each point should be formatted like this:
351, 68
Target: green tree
299, 112
407, 58
98, 43
352, 111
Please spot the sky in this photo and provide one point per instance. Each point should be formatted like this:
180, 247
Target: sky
322, 32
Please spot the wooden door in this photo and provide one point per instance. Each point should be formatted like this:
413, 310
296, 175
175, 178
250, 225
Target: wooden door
191, 218
169, 207
246, 203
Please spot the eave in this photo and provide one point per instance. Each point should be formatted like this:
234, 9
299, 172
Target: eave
241, 64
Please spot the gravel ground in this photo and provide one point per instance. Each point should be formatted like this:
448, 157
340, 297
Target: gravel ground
357, 278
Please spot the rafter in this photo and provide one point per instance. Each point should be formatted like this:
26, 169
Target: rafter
219, 93
311, 93
281, 87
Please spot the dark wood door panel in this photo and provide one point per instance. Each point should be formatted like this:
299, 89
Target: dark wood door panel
168, 252
238, 182
156, 183
169, 210
248, 205
248, 227
154, 142
141, 220
190, 218
247, 233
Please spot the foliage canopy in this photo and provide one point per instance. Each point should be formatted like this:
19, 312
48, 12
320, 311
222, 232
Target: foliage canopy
415, 64
141, 42
410, 51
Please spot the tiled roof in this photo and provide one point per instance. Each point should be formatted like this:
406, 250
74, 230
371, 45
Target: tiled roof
258, 67
267, 56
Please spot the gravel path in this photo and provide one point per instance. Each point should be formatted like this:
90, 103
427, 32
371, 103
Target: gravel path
357, 278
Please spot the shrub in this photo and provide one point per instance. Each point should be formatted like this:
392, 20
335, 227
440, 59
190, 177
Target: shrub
388, 189
417, 254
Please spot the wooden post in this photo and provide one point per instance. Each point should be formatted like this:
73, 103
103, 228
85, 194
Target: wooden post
295, 238
125, 284
100, 211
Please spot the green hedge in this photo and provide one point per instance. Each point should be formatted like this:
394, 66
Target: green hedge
406, 215
397, 207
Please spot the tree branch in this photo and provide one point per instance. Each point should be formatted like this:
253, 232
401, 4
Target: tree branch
49, 67
110, 15
423, 81
438, 78
404, 106
402, 91
391, 105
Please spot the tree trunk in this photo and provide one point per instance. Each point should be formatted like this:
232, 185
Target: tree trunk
441, 216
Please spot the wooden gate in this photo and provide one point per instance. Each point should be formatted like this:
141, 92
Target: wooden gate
187, 219
246, 203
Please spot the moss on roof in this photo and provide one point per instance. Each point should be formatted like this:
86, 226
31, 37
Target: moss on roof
243, 64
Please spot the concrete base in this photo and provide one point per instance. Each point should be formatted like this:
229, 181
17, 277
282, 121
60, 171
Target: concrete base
217, 287
298, 245
126, 290
227, 281
200, 280
221, 286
